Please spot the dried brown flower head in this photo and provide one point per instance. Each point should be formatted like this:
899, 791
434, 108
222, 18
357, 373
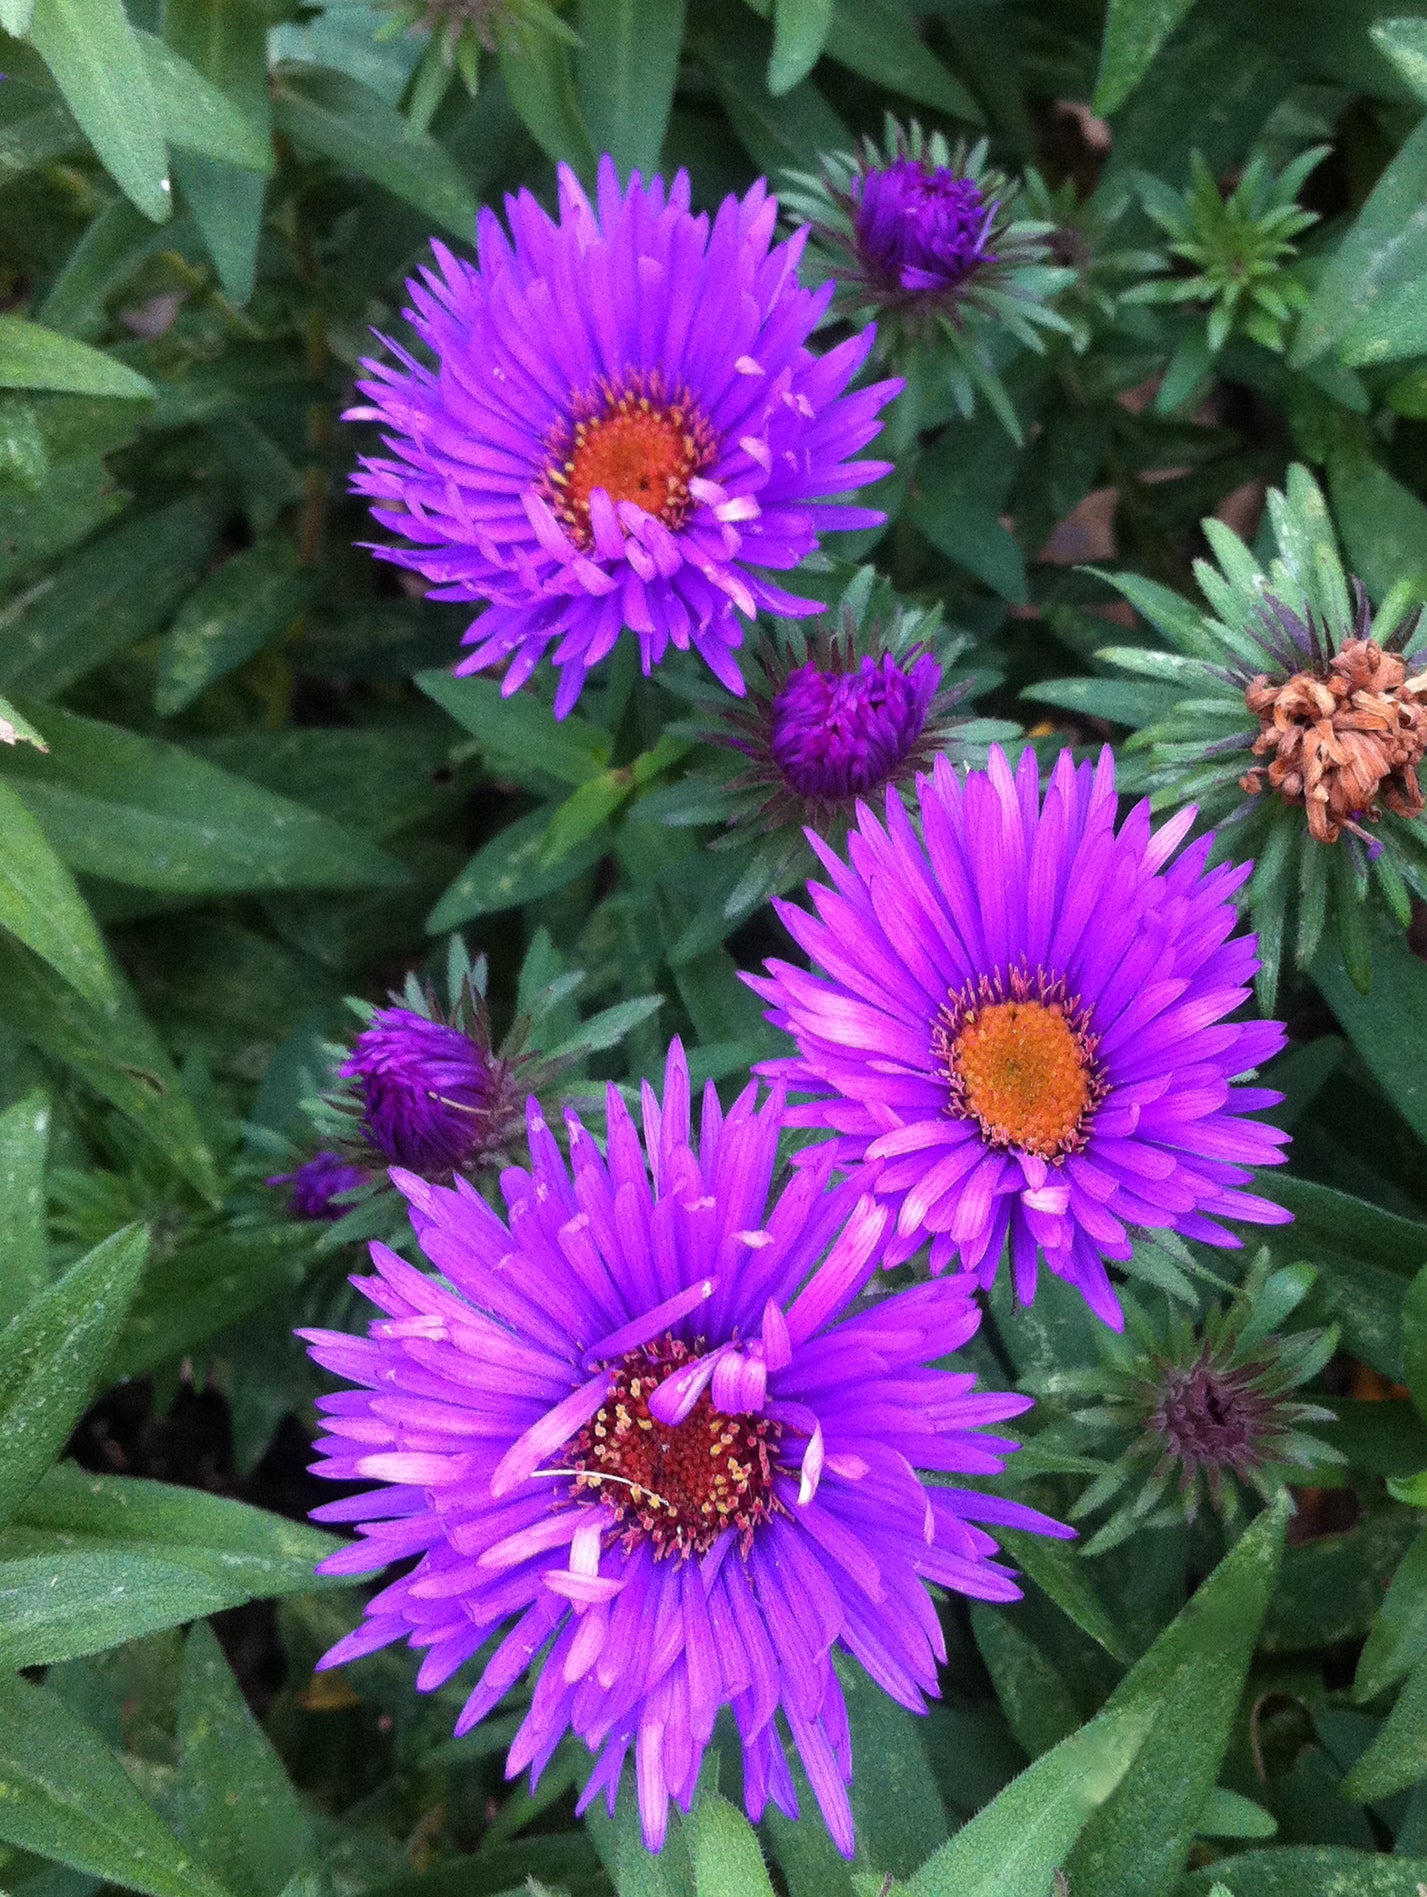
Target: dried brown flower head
1344, 737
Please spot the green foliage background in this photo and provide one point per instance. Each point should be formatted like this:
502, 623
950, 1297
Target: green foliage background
260, 790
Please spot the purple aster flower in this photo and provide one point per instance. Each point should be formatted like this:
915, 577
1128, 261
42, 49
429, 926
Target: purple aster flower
624, 425
429, 1092
1016, 1026
921, 226
317, 1182
642, 1425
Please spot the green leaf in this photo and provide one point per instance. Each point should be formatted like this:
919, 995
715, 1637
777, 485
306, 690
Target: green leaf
1405, 43
800, 30
792, 130
1385, 249
114, 247
1326, 1220
627, 70
1120, 700
72, 1601
510, 870
725, 1852
245, 605
1191, 1680
33, 357
236, 1803
1314, 1871
201, 1288
116, 591
113, 1049
1397, 1757
1398, 1640
1383, 524
40, 904
339, 118
196, 116
226, 40
583, 812
35, 526
1414, 1341
898, 1809
1034, 1698
541, 83
94, 55
520, 738
1015, 1846
1333, 1586
65, 1796
1134, 32
51, 1355
634, 1870
877, 39
24, 1241
267, 1555
136, 810
1388, 1027
1229, 1814
973, 536
1058, 1570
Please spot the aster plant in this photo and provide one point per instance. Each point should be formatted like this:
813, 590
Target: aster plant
639, 1427
1014, 1026
1297, 721
1186, 1415
1232, 256
836, 710
641, 473
935, 244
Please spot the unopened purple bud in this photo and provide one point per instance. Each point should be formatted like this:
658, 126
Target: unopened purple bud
922, 227
317, 1183
425, 1088
840, 734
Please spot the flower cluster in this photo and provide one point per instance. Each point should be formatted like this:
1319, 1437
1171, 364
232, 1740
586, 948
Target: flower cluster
645, 1419
1012, 1027
664, 1431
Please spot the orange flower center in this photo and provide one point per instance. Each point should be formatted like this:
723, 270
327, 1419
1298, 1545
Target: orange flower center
680, 1485
639, 444
1022, 1067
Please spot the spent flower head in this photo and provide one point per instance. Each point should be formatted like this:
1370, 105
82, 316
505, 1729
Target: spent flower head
1296, 719
934, 243
1182, 1414
643, 1424
620, 428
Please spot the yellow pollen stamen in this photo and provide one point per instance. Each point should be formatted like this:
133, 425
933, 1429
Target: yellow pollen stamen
1021, 1065
678, 1484
639, 443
